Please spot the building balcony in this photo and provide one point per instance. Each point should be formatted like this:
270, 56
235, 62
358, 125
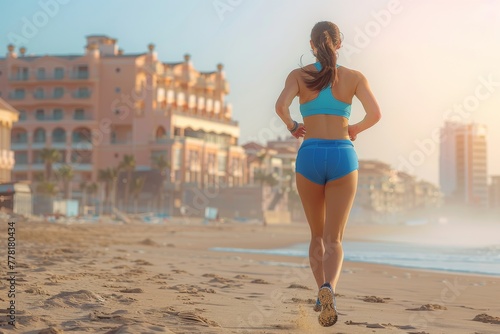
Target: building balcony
66, 77
19, 146
38, 100
6, 159
121, 142
16, 96
19, 78
81, 95
38, 145
81, 145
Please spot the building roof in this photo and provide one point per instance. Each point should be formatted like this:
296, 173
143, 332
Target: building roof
173, 64
66, 57
126, 55
98, 35
253, 146
5, 106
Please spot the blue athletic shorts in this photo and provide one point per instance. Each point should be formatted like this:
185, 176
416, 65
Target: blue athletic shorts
323, 160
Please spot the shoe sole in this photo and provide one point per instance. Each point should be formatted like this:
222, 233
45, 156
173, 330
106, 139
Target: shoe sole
328, 316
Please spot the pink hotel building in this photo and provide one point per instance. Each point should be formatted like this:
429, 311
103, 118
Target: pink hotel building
98, 106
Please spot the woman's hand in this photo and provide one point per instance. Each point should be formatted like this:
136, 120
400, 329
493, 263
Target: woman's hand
300, 131
353, 132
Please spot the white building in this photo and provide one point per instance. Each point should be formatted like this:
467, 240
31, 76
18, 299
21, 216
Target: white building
463, 174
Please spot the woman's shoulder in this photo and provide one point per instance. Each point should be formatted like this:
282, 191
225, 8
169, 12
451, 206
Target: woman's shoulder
351, 73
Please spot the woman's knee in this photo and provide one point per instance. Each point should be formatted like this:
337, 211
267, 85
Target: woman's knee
332, 245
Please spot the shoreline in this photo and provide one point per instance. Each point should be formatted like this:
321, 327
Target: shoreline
139, 278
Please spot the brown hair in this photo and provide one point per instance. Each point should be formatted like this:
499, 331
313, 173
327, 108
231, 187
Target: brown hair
325, 37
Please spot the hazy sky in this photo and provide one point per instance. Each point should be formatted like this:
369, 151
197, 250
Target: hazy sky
425, 59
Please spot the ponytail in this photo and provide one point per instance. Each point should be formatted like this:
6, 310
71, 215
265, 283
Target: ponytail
325, 36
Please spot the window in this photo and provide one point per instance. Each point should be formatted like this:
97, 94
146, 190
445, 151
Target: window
81, 135
57, 114
79, 114
19, 136
39, 93
19, 94
40, 114
39, 136
58, 92
21, 158
58, 73
82, 92
82, 72
177, 158
221, 163
22, 115
37, 157
59, 136
22, 73
40, 73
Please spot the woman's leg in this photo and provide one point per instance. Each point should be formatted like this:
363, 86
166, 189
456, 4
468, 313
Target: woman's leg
339, 197
312, 196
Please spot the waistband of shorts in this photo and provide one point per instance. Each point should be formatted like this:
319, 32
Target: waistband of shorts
326, 142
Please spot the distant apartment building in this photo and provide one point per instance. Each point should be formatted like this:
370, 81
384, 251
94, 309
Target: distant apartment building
8, 116
463, 164
383, 191
495, 192
98, 106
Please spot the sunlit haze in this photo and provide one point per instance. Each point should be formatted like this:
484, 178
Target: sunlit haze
424, 59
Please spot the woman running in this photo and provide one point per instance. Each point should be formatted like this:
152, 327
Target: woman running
327, 164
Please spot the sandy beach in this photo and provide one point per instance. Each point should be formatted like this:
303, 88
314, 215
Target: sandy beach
137, 278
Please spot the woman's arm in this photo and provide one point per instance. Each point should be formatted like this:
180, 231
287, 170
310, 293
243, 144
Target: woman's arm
372, 109
284, 101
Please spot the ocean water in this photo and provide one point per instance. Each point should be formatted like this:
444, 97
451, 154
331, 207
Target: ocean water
474, 260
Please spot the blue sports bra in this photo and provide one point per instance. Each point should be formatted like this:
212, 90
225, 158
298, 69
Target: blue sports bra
325, 103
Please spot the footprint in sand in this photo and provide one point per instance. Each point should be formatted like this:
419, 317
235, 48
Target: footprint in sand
148, 242
120, 298
37, 291
139, 329
375, 299
378, 325
298, 286
51, 330
241, 276
221, 282
303, 301
189, 317
483, 317
142, 262
428, 307
78, 299
132, 290
190, 289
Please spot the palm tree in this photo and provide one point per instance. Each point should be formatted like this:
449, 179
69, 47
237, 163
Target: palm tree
128, 165
49, 157
66, 174
47, 188
136, 188
160, 162
87, 190
92, 190
260, 177
109, 177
